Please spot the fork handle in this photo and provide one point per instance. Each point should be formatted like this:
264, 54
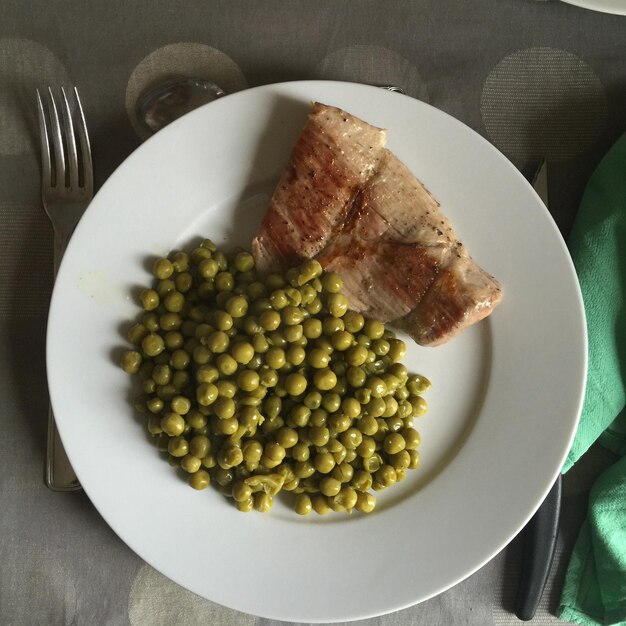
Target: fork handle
60, 475
61, 239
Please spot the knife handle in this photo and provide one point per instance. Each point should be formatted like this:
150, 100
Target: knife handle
539, 541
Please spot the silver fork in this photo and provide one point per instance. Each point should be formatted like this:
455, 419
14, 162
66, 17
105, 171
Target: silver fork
66, 190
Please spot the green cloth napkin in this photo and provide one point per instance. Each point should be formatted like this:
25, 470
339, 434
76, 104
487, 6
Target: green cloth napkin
594, 591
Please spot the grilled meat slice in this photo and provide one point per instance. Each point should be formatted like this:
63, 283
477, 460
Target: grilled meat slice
371, 221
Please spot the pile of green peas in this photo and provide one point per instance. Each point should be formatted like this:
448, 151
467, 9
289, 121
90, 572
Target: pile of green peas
267, 385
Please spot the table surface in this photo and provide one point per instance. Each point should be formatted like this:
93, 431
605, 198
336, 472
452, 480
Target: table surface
539, 79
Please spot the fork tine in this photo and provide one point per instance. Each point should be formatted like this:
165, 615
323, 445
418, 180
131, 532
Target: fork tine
85, 148
70, 140
46, 176
57, 141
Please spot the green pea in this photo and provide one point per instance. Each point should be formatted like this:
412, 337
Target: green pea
417, 384
295, 384
337, 304
237, 306
275, 358
224, 281
252, 451
300, 451
314, 307
206, 394
356, 355
330, 486
244, 262
303, 504
313, 399
331, 402
339, 423
366, 448
173, 424
319, 417
304, 469
248, 380
324, 379
380, 347
136, 333
207, 374
411, 438
351, 407
224, 408
385, 476
190, 464
180, 405
308, 271
150, 321
331, 282
397, 350
222, 320
319, 503
318, 358
353, 321
343, 472
131, 361
152, 344
373, 329
365, 502
278, 299
262, 502
419, 404
217, 342
293, 333
291, 316
179, 359
267, 376
324, 462
377, 386
200, 446
286, 437
368, 425
295, 355
270, 320
183, 282
318, 435
149, 299
199, 480
362, 480
273, 452
346, 498
272, 406
162, 269
208, 268
229, 456
242, 352
332, 325
178, 446
155, 405
307, 294
391, 407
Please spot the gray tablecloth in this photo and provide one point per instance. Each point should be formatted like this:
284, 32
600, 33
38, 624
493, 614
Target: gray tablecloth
539, 79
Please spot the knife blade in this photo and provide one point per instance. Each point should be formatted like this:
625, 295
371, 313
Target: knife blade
540, 535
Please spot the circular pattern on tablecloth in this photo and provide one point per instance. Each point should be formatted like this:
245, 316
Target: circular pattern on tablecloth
24, 67
374, 65
543, 103
40, 589
181, 60
156, 600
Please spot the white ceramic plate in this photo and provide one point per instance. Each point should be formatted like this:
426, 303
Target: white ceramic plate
503, 408
617, 7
